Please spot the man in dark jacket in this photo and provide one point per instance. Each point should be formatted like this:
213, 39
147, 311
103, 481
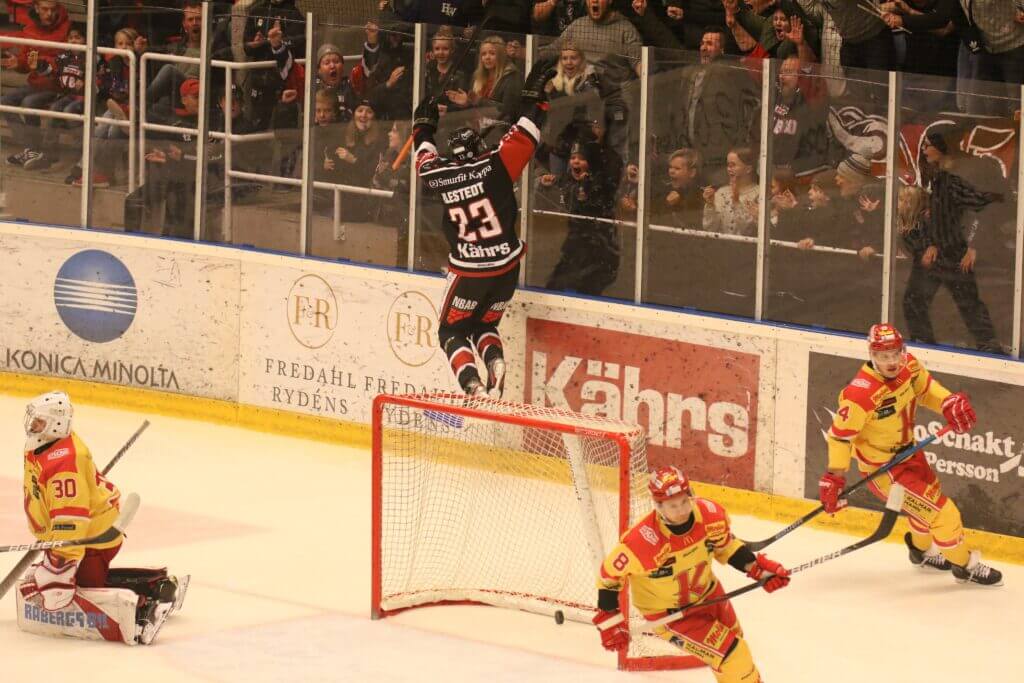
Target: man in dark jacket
949, 257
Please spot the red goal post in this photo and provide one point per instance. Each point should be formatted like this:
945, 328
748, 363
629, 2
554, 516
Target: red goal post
478, 501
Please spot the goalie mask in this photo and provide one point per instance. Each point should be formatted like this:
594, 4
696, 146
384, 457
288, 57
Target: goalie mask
47, 418
465, 144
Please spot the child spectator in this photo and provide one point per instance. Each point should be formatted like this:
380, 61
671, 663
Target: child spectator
679, 201
732, 209
589, 260
47, 20
437, 68
68, 68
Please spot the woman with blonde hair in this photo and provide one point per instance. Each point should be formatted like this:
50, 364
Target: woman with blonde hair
574, 74
496, 81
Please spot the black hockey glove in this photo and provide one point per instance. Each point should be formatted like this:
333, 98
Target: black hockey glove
425, 116
533, 89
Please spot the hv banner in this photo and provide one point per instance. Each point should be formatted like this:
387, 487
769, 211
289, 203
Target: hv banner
982, 471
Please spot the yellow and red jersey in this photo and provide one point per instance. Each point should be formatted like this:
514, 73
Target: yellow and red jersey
66, 497
667, 570
876, 416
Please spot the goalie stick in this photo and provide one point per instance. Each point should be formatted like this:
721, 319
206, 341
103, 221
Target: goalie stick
129, 506
30, 557
902, 456
885, 526
456, 65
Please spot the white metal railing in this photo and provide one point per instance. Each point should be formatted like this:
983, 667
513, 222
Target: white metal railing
130, 122
709, 234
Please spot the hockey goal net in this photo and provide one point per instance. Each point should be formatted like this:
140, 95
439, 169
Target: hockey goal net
489, 502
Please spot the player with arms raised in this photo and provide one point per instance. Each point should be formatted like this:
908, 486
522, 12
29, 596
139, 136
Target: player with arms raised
67, 498
477, 188
666, 557
875, 420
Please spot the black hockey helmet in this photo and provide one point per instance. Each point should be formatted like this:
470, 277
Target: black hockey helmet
465, 144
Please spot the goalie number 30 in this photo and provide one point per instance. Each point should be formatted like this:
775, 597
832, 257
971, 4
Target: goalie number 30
481, 210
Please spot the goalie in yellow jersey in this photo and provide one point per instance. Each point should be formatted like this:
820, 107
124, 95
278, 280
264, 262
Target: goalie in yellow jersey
67, 498
666, 557
875, 420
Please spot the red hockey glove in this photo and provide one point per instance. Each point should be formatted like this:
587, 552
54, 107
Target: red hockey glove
958, 412
763, 567
829, 487
614, 632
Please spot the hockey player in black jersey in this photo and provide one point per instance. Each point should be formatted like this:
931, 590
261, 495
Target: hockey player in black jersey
476, 186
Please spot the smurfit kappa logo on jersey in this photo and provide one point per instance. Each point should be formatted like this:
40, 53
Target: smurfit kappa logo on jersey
95, 296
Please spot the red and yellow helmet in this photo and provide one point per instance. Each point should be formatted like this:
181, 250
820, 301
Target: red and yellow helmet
667, 482
884, 337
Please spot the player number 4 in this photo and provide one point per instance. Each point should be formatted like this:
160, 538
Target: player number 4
481, 210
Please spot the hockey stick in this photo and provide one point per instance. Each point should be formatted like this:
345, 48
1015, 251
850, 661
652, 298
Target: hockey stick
30, 557
885, 526
902, 456
129, 506
403, 154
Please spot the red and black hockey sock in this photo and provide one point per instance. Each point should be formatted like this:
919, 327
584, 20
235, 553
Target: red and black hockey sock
488, 345
460, 357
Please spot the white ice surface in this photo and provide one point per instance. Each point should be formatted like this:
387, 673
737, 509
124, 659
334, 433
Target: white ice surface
276, 534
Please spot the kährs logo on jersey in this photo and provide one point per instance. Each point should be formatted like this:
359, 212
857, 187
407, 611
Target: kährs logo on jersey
698, 403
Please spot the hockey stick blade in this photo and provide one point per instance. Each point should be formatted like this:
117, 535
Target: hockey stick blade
129, 506
30, 557
902, 456
885, 527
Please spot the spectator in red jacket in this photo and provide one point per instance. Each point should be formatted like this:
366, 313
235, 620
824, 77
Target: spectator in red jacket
47, 20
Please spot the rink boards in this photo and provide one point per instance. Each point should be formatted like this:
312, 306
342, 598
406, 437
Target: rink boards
295, 345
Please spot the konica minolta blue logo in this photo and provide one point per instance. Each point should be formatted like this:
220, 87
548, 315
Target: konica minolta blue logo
95, 296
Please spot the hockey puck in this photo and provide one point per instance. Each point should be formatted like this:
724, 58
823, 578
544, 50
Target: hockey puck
559, 617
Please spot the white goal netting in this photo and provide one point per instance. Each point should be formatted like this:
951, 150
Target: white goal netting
502, 504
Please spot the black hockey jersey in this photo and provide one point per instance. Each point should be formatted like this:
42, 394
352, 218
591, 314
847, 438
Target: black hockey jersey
480, 208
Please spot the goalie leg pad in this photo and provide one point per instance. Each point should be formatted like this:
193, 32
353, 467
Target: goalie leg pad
93, 614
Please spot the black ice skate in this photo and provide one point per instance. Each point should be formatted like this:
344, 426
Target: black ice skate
475, 389
926, 559
977, 572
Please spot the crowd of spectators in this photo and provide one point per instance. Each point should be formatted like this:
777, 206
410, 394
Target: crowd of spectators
827, 123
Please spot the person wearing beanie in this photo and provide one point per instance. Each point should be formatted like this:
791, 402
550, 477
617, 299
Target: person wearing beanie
948, 258
356, 158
